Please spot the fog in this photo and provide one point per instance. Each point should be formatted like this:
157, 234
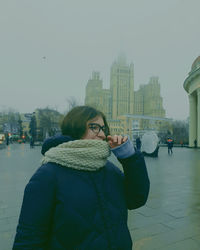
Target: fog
50, 48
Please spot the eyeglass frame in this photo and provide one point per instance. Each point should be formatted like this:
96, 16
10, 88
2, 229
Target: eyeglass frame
103, 128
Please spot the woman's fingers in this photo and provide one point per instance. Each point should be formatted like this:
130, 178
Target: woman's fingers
116, 140
125, 138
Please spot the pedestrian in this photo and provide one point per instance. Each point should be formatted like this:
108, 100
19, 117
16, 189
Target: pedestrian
195, 143
170, 144
138, 143
7, 139
78, 199
31, 142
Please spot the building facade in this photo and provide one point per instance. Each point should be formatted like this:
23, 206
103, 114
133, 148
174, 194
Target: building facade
93, 90
148, 100
121, 101
26, 119
137, 125
98, 97
192, 87
122, 87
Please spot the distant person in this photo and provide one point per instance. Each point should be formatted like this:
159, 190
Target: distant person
78, 199
181, 143
7, 139
170, 144
138, 143
31, 142
195, 143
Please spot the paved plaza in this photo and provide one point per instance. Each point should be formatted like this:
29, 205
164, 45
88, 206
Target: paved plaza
169, 221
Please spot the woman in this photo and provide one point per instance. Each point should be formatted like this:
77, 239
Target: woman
78, 199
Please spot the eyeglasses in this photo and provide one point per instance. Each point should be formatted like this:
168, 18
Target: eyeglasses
96, 128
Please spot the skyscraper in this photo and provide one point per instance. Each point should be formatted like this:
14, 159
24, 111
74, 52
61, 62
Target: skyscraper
122, 87
121, 99
98, 97
94, 90
148, 100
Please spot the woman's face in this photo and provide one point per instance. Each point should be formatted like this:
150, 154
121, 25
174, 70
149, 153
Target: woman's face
95, 129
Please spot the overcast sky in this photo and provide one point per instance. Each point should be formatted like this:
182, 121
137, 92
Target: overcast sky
49, 48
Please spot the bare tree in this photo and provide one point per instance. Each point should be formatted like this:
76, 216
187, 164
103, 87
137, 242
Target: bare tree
180, 131
71, 103
48, 122
9, 119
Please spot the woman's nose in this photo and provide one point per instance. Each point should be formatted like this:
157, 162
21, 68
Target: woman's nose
101, 134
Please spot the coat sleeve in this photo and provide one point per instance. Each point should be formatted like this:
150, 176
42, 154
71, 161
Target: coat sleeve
136, 180
36, 212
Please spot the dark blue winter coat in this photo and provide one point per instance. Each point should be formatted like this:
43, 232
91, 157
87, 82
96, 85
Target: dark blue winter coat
65, 208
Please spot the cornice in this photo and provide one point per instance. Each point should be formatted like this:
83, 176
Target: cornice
190, 78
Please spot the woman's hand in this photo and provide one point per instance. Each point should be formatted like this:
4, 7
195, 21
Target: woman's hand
116, 140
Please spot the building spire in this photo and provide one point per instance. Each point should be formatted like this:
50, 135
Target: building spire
121, 58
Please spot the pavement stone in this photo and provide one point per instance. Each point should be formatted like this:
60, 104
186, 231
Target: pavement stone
173, 201
184, 244
170, 220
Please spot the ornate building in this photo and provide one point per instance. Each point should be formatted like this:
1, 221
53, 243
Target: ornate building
192, 87
98, 97
94, 90
148, 100
124, 108
122, 88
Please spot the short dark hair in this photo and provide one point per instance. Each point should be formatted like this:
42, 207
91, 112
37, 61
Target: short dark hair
74, 123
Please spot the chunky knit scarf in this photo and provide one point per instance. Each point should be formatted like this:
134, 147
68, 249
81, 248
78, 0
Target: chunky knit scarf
88, 155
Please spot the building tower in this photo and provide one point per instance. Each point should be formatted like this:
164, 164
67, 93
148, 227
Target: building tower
94, 90
122, 87
153, 103
147, 100
98, 97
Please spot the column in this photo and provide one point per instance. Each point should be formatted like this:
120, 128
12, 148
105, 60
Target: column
193, 120
198, 117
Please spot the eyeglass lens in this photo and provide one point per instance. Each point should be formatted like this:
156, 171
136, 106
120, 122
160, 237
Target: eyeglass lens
96, 128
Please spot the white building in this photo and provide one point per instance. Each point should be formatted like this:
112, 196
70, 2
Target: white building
192, 86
